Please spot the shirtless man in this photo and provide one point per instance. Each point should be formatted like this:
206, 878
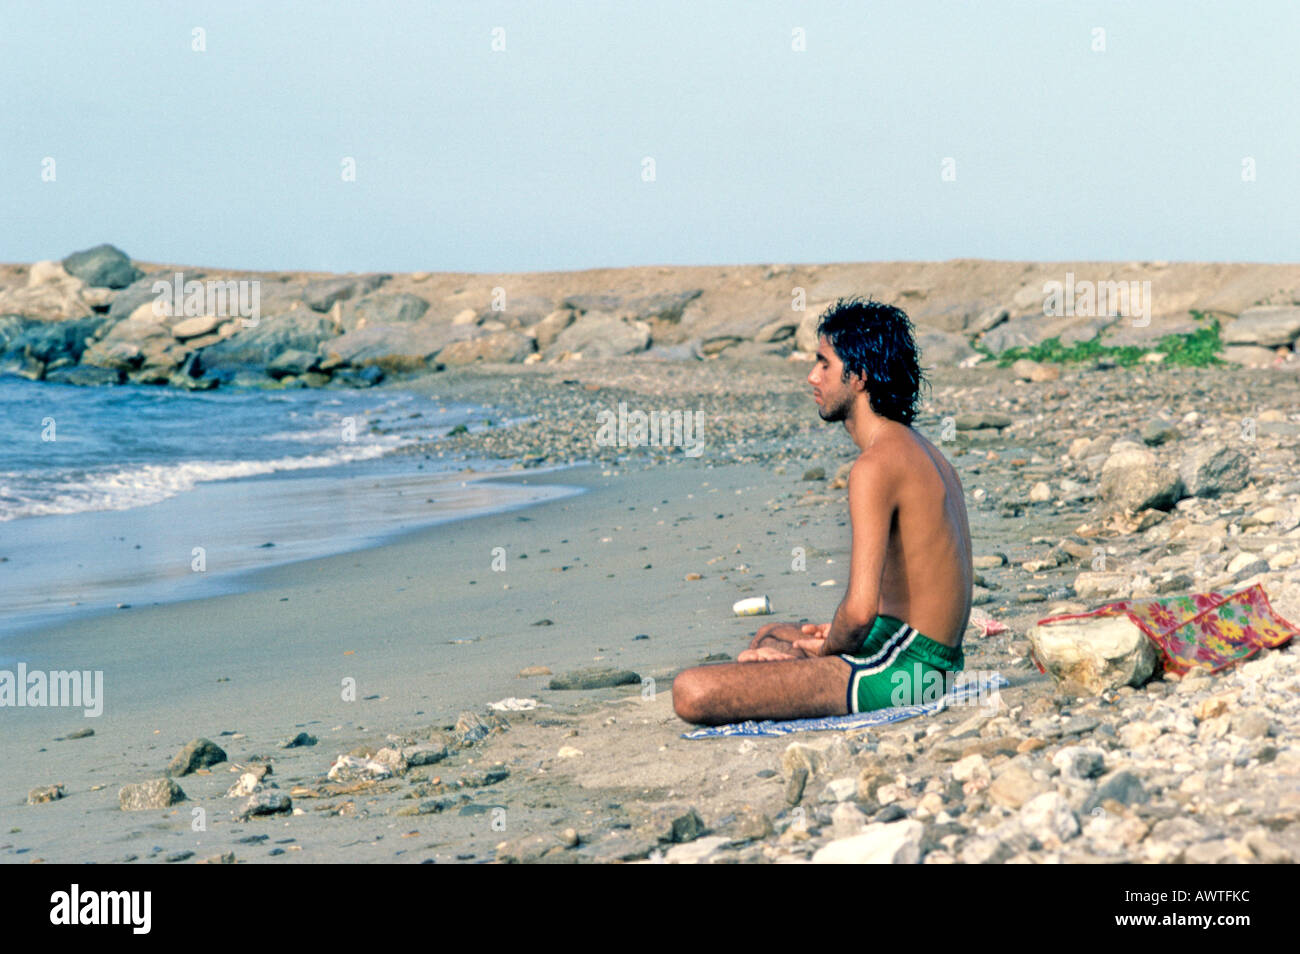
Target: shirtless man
909, 591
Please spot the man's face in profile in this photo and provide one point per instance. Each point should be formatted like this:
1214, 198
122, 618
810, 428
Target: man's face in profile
834, 396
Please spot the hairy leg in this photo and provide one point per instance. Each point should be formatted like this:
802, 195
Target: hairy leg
734, 692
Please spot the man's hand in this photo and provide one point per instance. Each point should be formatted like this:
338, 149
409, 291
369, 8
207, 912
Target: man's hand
814, 641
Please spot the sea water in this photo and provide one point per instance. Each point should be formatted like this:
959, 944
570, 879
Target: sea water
130, 494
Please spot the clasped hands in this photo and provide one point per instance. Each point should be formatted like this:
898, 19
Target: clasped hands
813, 644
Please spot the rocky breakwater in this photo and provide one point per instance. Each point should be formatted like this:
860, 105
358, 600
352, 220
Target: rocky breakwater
96, 317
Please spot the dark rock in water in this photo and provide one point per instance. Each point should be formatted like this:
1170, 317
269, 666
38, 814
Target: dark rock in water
102, 267
299, 740
594, 678
254, 348
155, 793
815, 473
1123, 787
195, 754
48, 341
269, 802
11, 328
84, 376
323, 294
80, 734
383, 309
179, 856
359, 378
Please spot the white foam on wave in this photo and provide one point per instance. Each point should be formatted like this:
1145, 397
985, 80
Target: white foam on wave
146, 484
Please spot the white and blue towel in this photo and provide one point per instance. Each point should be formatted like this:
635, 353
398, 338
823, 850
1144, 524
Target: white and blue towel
963, 694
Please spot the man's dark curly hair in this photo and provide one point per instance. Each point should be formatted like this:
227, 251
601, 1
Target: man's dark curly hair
875, 340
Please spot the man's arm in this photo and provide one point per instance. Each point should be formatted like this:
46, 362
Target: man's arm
871, 512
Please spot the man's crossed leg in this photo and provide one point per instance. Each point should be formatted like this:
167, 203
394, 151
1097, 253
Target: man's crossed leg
773, 679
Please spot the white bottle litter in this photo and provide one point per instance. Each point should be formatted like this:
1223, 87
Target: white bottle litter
753, 606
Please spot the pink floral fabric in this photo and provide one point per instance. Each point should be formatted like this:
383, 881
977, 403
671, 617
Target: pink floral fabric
1203, 632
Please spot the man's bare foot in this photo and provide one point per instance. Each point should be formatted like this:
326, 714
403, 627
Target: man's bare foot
763, 654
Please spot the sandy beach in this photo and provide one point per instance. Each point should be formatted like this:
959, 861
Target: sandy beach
638, 572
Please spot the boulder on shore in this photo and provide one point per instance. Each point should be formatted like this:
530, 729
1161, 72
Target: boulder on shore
1089, 656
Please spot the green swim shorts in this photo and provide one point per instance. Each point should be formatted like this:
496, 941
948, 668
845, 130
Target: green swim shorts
898, 666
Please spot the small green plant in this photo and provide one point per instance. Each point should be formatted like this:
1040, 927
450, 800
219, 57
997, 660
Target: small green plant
1198, 349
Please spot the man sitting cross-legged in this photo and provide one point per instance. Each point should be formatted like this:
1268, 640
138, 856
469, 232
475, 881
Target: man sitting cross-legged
908, 599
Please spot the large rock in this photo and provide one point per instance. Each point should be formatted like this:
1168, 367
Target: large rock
83, 376
659, 307
602, 336
502, 347
11, 329
1213, 471
257, 346
321, 295
943, 348
128, 301
1249, 356
1134, 479
196, 327
805, 335
102, 267
194, 755
520, 311
50, 341
1024, 332
548, 329
895, 843
1089, 656
383, 309
293, 361
155, 793
1271, 326
393, 347
49, 295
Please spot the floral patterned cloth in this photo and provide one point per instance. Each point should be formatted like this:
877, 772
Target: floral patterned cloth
1205, 632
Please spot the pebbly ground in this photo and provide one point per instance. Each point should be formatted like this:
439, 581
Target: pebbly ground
1195, 770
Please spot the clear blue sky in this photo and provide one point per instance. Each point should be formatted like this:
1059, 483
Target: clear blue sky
531, 158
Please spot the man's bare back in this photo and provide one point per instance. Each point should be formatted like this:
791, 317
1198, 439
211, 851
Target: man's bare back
927, 579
